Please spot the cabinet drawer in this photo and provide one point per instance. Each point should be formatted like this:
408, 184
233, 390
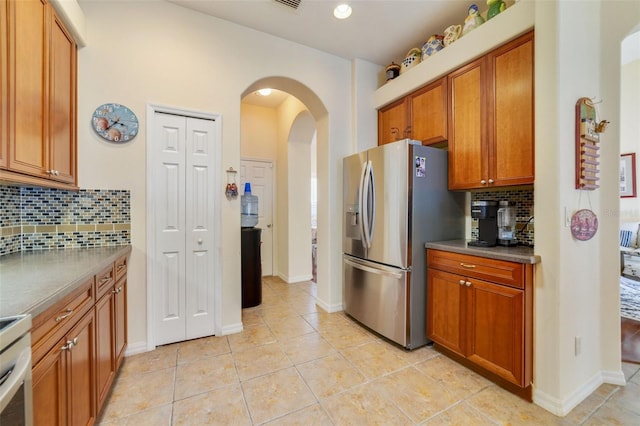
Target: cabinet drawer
498, 271
104, 280
121, 266
51, 325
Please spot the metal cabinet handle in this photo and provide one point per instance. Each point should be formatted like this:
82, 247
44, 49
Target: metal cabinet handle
461, 282
483, 182
65, 315
468, 283
120, 266
70, 344
105, 279
490, 181
467, 265
199, 240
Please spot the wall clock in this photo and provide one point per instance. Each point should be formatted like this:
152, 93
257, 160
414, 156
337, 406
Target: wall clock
115, 122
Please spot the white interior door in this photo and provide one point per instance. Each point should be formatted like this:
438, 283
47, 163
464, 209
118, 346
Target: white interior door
260, 175
182, 274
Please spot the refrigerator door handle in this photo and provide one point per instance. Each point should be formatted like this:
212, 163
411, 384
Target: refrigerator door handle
384, 272
372, 214
368, 198
362, 200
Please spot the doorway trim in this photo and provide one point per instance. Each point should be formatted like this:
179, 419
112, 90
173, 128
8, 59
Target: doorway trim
151, 111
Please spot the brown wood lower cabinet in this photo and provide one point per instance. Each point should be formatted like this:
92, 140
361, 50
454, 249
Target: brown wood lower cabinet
486, 325
63, 382
78, 347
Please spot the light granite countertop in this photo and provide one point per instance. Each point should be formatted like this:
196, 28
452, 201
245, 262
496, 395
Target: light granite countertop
519, 254
30, 282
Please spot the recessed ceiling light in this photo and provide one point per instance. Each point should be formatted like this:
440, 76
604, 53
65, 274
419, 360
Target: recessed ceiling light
342, 11
264, 92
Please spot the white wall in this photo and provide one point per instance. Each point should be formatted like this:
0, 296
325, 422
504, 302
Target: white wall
258, 132
630, 131
157, 52
577, 290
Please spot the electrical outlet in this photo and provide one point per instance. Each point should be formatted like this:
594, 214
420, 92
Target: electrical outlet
578, 345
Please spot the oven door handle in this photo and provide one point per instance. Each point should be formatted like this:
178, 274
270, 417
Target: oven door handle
15, 377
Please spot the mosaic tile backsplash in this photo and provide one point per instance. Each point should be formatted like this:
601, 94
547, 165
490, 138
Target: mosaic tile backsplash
523, 202
44, 218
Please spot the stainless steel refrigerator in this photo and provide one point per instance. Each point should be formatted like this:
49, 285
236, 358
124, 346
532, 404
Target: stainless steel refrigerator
395, 200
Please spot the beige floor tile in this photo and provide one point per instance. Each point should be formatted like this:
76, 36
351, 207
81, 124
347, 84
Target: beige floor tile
279, 312
161, 358
289, 327
591, 403
140, 392
192, 350
414, 356
276, 394
611, 415
322, 320
157, 416
204, 374
505, 408
252, 316
416, 394
260, 361
330, 375
628, 398
346, 335
363, 406
630, 369
250, 337
459, 415
458, 379
310, 416
223, 406
306, 348
304, 305
375, 358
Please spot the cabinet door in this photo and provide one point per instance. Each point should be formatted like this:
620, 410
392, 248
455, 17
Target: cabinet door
120, 318
428, 112
467, 127
445, 310
80, 374
4, 85
495, 329
392, 122
28, 26
105, 353
510, 70
49, 388
62, 103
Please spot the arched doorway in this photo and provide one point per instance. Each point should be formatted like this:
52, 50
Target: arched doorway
328, 290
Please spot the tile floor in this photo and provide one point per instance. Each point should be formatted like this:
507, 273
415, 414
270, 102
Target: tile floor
295, 364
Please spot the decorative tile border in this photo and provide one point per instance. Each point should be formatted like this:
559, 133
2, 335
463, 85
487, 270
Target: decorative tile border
523, 202
43, 218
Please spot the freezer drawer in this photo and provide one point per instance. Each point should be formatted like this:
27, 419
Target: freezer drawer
376, 296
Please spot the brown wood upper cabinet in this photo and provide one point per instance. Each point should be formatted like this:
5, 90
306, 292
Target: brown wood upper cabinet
491, 133
38, 142
421, 115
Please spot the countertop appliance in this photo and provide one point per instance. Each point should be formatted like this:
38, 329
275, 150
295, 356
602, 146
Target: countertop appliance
506, 224
485, 211
395, 200
16, 401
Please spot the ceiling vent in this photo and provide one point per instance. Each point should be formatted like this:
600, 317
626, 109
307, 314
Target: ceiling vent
290, 3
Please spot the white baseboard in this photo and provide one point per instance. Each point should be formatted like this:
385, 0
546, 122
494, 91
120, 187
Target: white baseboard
337, 307
231, 329
562, 407
136, 348
298, 279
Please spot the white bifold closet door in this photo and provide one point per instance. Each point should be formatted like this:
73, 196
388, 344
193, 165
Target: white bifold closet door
184, 232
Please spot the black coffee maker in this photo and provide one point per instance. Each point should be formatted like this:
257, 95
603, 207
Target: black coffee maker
486, 211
